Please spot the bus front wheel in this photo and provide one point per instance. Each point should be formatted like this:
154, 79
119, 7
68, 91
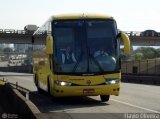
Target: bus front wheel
104, 98
37, 84
35, 79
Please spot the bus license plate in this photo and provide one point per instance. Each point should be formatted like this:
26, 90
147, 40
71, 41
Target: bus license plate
88, 91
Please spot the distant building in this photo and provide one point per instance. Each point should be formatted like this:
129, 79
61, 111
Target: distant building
21, 47
3, 45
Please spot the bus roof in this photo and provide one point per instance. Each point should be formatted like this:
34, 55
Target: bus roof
81, 16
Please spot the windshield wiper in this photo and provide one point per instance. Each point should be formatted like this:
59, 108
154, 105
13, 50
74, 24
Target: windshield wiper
76, 65
96, 62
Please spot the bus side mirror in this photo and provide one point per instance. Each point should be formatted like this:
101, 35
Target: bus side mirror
126, 42
49, 45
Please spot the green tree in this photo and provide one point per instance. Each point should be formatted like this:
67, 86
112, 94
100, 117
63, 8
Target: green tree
148, 52
158, 52
138, 56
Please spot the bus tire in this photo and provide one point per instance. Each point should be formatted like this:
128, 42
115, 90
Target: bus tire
35, 79
39, 90
104, 98
37, 84
48, 85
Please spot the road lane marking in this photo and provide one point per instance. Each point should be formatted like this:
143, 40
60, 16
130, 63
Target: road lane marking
136, 106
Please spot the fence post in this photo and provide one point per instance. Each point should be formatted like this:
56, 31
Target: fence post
155, 67
16, 85
126, 67
27, 95
147, 66
132, 65
139, 66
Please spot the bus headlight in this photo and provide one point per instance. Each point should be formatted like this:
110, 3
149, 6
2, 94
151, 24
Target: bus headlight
61, 83
112, 82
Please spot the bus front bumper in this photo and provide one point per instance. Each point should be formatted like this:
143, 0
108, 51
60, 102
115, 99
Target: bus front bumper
60, 91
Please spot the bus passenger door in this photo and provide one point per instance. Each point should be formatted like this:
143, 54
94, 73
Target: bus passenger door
42, 75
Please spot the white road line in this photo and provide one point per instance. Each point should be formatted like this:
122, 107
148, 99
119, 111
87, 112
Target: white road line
136, 106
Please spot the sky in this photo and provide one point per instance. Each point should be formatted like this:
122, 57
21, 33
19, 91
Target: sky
131, 15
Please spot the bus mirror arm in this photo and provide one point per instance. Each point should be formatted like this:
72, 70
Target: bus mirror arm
49, 45
126, 42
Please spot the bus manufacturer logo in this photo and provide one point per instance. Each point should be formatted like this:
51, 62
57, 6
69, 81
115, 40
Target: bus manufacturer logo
4, 115
88, 82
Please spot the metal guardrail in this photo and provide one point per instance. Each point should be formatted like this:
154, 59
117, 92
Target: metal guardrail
147, 33
15, 85
13, 31
133, 33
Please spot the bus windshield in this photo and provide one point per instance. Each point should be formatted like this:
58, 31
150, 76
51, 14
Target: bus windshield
85, 46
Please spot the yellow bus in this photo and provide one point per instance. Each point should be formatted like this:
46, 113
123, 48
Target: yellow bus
78, 55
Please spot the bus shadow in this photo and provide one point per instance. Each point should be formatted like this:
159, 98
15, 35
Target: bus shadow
46, 103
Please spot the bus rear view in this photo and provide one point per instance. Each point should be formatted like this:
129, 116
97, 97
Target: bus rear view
83, 56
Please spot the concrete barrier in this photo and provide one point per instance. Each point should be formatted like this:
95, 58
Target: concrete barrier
153, 80
15, 103
20, 69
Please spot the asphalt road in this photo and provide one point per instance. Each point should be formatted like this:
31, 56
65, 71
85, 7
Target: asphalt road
134, 98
